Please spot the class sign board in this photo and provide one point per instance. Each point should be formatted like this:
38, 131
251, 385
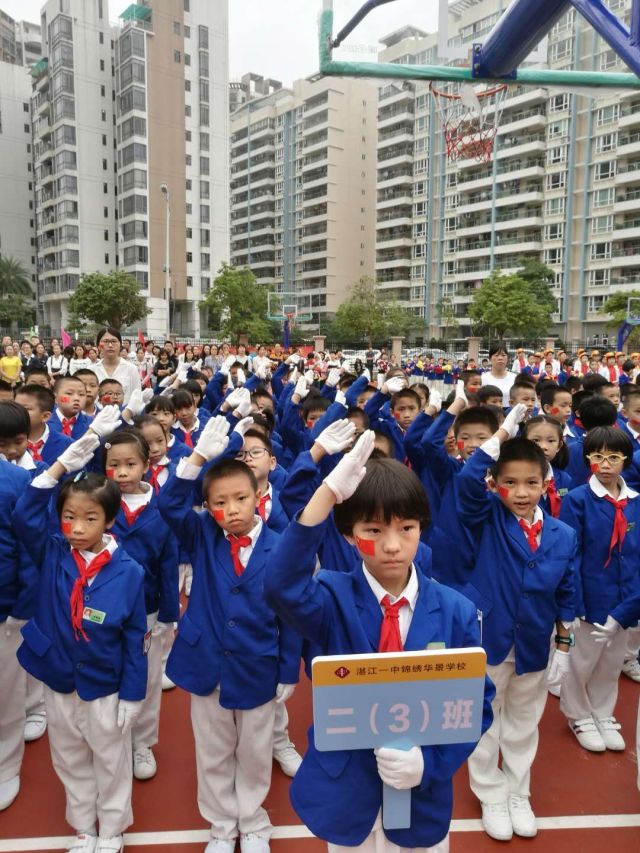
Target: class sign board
398, 700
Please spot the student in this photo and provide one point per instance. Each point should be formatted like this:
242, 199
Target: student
631, 414
85, 641
44, 445
557, 401
37, 376
145, 537
605, 513
338, 795
6, 391
547, 432
187, 427
594, 411
91, 385
522, 584
524, 393
230, 652
16, 606
110, 393
489, 395
68, 416
472, 380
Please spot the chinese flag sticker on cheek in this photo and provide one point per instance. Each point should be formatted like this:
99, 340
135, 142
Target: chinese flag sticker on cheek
65, 399
503, 491
66, 527
218, 514
109, 472
460, 445
367, 547
594, 467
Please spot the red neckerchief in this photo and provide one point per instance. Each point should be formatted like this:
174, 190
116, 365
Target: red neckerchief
85, 573
619, 526
34, 448
390, 639
531, 531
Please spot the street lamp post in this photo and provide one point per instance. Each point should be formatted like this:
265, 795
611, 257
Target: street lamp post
164, 189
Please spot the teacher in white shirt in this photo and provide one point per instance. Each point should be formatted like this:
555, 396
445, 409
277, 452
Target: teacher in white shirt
499, 375
112, 366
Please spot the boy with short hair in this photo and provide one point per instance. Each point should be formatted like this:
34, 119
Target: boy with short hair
6, 391
523, 393
91, 386
37, 376
68, 416
556, 400
631, 414
44, 444
110, 393
187, 427
489, 395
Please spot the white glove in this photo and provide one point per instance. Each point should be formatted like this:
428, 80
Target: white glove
234, 398
241, 377
366, 372
106, 421
435, 399
261, 368
395, 384
337, 436
349, 472
605, 633
243, 426
80, 453
182, 373
309, 376
224, 368
294, 375
136, 403
558, 668
284, 692
147, 395
213, 439
197, 365
12, 624
341, 398
334, 377
514, 419
243, 406
301, 389
399, 768
128, 713
460, 392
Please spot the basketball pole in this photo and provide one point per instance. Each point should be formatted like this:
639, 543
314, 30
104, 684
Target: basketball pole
527, 76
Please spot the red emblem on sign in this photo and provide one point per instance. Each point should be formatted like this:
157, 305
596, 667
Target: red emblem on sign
342, 672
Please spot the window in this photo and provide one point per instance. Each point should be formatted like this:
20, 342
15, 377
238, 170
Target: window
602, 224
600, 278
135, 255
103, 115
204, 141
556, 155
103, 91
204, 115
101, 38
104, 138
560, 51
594, 304
187, 110
553, 256
189, 257
187, 32
186, 5
608, 59
554, 232
134, 228
133, 204
205, 261
105, 165
134, 152
176, 56
203, 37
187, 136
204, 91
204, 165
204, 189
603, 198
176, 27
556, 180
187, 59
132, 99
205, 237
203, 63
133, 178
205, 213
555, 206
606, 142
135, 126
607, 115
558, 129
600, 251
605, 171
559, 103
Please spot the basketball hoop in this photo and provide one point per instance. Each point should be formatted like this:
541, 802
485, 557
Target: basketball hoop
469, 133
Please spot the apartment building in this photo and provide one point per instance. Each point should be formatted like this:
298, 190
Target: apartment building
130, 128
561, 186
303, 189
19, 41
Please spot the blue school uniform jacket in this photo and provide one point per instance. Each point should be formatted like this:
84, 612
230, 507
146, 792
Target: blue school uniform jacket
150, 543
16, 569
113, 661
600, 589
519, 593
563, 484
56, 443
228, 637
339, 794
82, 424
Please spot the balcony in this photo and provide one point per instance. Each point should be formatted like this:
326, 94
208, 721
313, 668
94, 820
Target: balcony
628, 229
389, 178
400, 116
528, 120
394, 219
629, 144
398, 198
398, 136
395, 93
628, 174
629, 115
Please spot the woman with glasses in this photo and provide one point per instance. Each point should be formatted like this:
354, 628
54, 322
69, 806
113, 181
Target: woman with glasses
112, 365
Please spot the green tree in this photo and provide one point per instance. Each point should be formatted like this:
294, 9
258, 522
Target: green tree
616, 307
111, 299
505, 303
367, 315
238, 305
539, 277
15, 292
447, 317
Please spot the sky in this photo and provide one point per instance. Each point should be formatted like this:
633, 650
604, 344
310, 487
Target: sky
278, 38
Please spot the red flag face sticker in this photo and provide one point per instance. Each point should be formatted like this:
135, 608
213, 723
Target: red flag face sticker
66, 527
218, 514
110, 473
367, 547
107, 399
460, 445
503, 491
310, 424
555, 410
594, 467
64, 398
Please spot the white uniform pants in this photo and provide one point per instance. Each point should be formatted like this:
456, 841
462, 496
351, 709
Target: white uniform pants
146, 728
633, 644
92, 759
377, 842
281, 739
13, 695
35, 696
590, 688
517, 709
233, 763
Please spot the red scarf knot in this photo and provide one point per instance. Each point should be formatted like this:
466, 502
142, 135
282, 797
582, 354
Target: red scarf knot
390, 639
531, 531
236, 543
34, 448
619, 526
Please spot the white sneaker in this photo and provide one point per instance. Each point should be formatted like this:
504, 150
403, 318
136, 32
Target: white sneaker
496, 821
187, 585
9, 791
252, 843
220, 845
609, 729
83, 843
167, 684
110, 845
554, 689
144, 763
288, 759
35, 726
631, 668
587, 734
522, 817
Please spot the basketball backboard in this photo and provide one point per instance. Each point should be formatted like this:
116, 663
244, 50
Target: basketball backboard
292, 306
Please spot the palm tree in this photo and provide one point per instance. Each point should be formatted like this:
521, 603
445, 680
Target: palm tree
14, 278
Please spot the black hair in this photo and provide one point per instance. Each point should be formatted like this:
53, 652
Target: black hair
160, 403
237, 364
498, 348
227, 468
578, 398
86, 371
109, 380
593, 381
548, 395
14, 420
487, 391
197, 374
182, 398
43, 396
626, 391
388, 489
424, 388
256, 433
314, 403
37, 371
385, 437
6, 386
110, 330
465, 375
407, 393
127, 435
606, 384
96, 487
194, 389
573, 382
597, 411
519, 450
354, 413
476, 415
261, 391
61, 380
627, 365
524, 380
146, 420
265, 419
615, 440
545, 383
561, 459
526, 386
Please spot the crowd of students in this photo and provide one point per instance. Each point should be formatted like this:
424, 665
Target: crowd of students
305, 510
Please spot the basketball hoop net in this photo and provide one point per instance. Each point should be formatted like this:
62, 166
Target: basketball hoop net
468, 132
